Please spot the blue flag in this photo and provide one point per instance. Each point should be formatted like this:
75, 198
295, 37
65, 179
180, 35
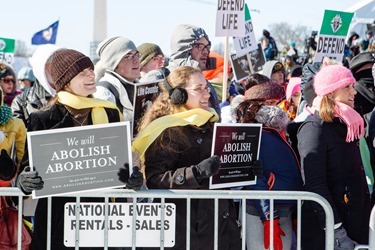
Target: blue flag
47, 35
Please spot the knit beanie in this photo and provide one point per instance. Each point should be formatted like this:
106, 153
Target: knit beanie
148, 51
331, 78
293, 86
111, 51
6, 70
270, 90
66, 64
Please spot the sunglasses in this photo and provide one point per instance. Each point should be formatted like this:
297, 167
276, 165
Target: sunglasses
5, 80
201, 46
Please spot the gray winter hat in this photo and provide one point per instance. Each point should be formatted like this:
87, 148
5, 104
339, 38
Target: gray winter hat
184, 36
111, 51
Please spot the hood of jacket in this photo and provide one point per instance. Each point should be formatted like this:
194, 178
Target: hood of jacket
182, 41
38, 62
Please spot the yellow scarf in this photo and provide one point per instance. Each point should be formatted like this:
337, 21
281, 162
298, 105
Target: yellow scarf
147, 136
98, 114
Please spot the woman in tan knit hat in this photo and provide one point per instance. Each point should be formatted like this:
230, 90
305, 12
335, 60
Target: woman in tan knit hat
73, 105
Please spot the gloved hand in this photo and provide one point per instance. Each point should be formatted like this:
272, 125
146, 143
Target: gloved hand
135, 181
257, 168
8, 168
342, 241
29, 180
207, 168
277, 233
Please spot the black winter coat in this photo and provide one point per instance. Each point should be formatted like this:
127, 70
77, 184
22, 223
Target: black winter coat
332, 168
172, 169
55, 117
32, 99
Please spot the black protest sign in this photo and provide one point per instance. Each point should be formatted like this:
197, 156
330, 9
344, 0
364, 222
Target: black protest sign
238, 146
145, 94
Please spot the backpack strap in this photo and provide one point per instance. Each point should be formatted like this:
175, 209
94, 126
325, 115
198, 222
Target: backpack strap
114, 91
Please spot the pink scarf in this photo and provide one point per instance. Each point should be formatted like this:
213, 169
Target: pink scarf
352, 119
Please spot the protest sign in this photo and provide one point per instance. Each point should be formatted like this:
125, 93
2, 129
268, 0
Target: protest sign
241, 67
331, 40
145, 94
257, 58
230, 20
238, 146
7, 50
247, 43
79, 158
148, 224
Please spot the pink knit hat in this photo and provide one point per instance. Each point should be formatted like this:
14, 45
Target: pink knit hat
331, 78
293, 86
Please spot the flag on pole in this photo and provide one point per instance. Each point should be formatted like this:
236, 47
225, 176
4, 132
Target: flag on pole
47, 35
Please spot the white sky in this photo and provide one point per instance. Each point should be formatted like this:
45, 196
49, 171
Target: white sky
149, 20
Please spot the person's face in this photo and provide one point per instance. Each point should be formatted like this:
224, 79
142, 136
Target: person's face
154, 63
82, 84
201, 51
278, 76
129, 67
24, 83
198, 92
296, 97
345, 95
7, 84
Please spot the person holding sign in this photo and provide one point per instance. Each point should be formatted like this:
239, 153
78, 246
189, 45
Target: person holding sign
281, 169
74, 78
117, 72
174, 145
328, 144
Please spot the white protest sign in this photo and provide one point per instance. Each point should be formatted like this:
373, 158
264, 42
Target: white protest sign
331, 41
230, 20
148, 224
247, 43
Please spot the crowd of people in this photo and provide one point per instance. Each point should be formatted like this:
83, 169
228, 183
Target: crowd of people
317, 133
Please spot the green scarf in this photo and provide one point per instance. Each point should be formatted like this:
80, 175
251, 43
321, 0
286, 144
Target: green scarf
147, 136
98, 114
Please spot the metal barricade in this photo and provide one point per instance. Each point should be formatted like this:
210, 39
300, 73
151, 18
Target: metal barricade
215, 195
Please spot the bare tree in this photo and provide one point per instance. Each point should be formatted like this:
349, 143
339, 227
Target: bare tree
284, 33
21, 50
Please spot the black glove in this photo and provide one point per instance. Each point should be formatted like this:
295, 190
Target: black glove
29, 180
342, 241
7, 167
207, 168
257, 168
135, 181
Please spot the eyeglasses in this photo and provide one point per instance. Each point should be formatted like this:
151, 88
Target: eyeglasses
201, 46
7, 80
136, 55
200, 90
159, 58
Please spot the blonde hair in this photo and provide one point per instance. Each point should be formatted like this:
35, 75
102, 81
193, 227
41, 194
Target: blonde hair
162, 105
327, 109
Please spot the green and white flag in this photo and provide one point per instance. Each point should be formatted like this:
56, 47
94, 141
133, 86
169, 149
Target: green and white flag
331, 40
7, 49
247, 43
